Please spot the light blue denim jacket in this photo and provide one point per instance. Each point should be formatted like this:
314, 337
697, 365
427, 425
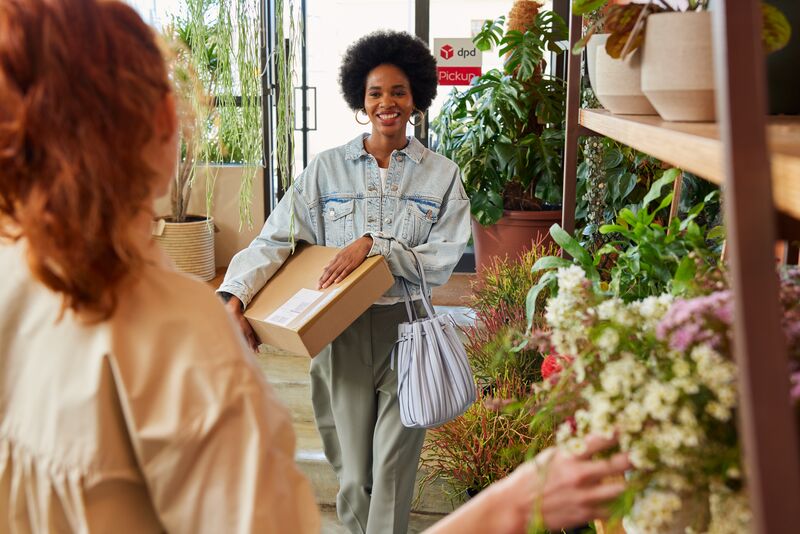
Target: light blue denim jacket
339, 198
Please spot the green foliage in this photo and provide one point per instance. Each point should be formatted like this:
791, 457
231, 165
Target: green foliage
646, 256
610, 177
495, 344
506, 131
776, 31
287, 37
505, 282
494, 436
485, 444
217, 77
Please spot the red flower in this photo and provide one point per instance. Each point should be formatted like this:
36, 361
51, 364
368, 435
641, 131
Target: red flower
550, 366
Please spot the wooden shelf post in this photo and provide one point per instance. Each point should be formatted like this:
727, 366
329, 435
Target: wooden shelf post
767, 424
572, 127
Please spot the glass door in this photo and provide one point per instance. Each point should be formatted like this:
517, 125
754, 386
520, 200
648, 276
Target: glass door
331, 26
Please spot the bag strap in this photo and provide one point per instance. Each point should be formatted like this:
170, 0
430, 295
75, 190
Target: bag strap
412, 313
423, 283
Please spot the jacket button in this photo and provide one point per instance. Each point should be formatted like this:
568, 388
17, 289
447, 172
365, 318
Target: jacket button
394, 187
332, 213
370, 219
398, 157
387, 220
371, 188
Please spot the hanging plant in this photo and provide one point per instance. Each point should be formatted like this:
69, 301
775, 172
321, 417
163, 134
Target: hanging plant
217, 77
286, 40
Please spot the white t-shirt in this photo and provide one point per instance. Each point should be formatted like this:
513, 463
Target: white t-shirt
384, 176
386, 301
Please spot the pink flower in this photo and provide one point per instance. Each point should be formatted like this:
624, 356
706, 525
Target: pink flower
697, 321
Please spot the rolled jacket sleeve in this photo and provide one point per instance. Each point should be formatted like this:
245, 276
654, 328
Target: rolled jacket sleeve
251, 268
444, 247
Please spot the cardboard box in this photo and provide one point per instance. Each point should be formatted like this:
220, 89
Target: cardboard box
291, 314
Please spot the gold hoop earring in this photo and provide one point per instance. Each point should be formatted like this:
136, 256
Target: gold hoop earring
362, 110
421, 117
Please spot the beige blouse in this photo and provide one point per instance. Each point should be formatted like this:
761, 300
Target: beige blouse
156, 420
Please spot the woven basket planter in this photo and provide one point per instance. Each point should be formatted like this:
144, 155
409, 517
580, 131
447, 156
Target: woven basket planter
189, 244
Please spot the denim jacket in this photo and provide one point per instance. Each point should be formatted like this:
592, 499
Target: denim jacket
339, 198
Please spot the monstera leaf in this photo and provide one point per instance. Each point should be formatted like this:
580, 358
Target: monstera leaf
776, 30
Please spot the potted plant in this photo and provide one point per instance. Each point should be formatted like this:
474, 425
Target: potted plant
616, 84
506, 134
216, 74
678, 80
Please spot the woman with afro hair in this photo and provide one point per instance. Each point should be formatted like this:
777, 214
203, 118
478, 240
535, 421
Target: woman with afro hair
381, 193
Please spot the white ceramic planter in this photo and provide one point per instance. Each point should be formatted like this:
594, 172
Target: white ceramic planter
190, 245
597, 41
678, 66
619, 84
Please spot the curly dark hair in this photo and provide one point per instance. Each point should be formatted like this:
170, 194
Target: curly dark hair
404, 51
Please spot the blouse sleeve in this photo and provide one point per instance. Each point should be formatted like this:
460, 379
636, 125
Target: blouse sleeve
215, 446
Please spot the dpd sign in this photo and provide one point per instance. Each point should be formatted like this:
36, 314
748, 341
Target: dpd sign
457, 61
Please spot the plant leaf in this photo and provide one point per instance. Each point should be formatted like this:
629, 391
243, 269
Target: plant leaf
581, 7
547, 280
718, 232
655, 190
550, 262
684, 275
574, 249
776, 30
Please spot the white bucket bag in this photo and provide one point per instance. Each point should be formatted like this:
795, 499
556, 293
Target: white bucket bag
434, 379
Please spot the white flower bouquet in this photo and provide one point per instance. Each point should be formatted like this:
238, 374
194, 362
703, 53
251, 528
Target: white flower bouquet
657, 373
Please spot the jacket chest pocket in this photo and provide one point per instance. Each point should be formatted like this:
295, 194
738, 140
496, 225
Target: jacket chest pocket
338, 218
419, 219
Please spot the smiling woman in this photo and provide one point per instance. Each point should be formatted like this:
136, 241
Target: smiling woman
382, 193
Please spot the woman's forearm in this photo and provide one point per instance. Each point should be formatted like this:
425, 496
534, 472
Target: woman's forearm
494, 510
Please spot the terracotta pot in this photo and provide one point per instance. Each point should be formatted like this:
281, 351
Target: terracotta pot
678, 66
190, 244
512, 235
619, 84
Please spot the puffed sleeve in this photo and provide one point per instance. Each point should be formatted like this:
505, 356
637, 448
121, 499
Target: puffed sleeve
214, 444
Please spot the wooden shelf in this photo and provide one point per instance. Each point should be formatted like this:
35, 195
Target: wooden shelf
696, 148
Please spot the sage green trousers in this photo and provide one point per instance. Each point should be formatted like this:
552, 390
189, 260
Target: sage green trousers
354, 393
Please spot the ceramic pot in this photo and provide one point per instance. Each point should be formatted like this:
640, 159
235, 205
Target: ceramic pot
512, 235
189, 244
619, 84
678, 66
597, 41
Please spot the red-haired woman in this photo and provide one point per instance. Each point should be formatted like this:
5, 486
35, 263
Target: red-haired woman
128, 402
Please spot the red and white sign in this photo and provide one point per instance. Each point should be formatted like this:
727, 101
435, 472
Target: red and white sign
457, 61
